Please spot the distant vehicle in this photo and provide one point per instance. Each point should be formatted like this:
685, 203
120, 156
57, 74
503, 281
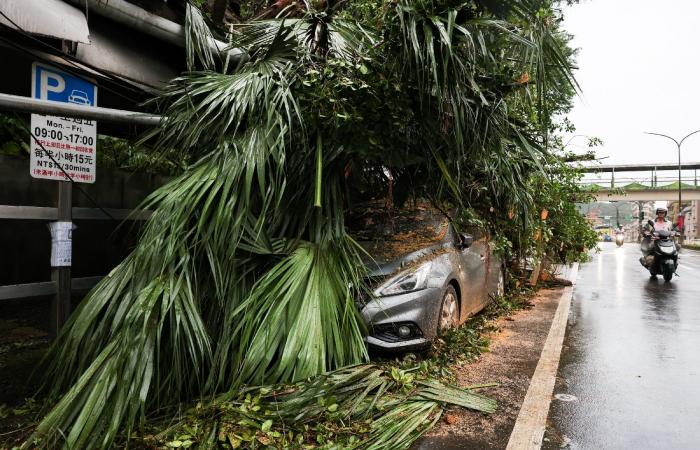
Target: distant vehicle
619, 238
78, 97
604, 232
425, 277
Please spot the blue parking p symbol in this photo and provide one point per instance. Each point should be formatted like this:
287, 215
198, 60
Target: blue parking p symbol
49, 83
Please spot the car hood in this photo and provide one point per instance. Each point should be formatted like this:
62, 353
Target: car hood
377, 268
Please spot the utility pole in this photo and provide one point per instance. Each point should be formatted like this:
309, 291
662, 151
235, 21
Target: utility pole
678, 145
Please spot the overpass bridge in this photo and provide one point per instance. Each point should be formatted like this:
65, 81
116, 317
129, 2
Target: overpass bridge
641, 182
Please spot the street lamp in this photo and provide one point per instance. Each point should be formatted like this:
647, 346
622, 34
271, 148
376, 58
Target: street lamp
678, 144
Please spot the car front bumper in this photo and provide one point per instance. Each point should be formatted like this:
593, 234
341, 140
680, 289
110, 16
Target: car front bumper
401, 346
419, 308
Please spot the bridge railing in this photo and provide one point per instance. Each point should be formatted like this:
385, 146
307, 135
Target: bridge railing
642, 176
640, 183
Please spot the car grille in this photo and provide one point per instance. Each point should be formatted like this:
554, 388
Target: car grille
388, 336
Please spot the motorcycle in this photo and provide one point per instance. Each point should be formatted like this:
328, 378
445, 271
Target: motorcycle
659, 253
620, 239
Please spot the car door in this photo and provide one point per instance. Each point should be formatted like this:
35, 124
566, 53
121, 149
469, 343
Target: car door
473, 259
494, 266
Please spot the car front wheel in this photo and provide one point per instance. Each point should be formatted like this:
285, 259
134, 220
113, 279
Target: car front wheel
449, 311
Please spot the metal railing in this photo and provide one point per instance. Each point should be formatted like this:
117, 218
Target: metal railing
645, 182
42, 288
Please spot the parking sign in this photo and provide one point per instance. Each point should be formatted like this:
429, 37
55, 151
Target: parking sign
70, 142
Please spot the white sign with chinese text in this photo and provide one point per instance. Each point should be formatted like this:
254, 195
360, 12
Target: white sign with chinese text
68, 144
61, 243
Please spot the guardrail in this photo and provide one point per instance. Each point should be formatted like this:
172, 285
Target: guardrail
62, 285
48, 213
27, 290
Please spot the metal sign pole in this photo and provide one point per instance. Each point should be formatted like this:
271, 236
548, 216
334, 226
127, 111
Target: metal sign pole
61, 275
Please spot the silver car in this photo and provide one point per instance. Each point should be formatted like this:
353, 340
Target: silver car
430, 289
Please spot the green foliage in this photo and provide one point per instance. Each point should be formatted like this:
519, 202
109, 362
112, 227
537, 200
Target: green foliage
567, 234
14, 140
199, 37
126, 155
303, 299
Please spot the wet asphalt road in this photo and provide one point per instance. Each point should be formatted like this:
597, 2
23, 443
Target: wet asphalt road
631, 357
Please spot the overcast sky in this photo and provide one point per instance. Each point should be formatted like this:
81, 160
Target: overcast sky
639, 70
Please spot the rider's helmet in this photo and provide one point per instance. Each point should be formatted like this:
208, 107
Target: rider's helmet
661, 210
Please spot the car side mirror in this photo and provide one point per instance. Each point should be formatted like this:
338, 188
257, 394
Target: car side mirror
465, 240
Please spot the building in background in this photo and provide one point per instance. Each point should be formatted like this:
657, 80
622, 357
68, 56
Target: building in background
642, 212
633, 215
690, 220
687, 218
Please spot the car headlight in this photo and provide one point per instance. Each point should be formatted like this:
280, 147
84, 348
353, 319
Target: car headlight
412, 280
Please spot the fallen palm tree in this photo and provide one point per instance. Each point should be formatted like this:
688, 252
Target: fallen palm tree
244, 274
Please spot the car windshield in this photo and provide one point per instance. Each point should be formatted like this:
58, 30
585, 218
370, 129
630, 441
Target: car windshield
389, 234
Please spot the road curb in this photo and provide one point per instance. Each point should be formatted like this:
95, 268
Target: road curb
529, 428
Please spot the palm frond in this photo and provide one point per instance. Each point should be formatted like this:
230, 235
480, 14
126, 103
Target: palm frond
300, 318
198, 40
398, 407
342, 38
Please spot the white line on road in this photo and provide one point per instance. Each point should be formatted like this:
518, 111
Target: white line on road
682, 268
529, 427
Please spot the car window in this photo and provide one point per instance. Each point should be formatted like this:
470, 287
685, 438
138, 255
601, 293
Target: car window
388, 234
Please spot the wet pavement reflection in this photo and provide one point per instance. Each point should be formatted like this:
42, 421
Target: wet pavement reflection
631, 357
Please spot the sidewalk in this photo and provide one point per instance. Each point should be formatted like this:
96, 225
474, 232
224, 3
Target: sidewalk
514, 353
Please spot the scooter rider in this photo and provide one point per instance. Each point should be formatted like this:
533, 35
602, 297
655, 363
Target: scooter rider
660, 223
660, 252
